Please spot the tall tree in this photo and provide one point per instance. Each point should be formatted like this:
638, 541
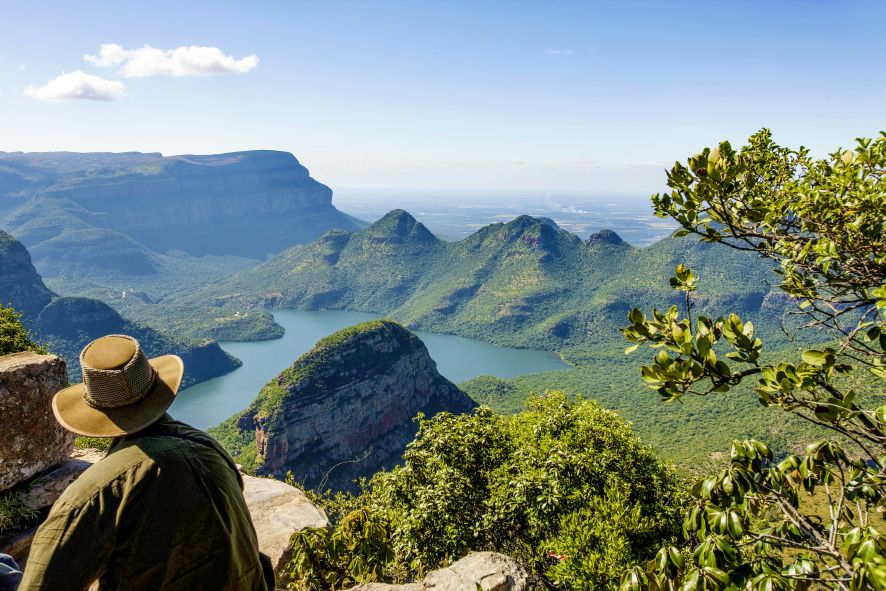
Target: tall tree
805, 520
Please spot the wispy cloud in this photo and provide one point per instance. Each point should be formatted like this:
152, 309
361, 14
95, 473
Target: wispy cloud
77, 85
193, 60
560, 51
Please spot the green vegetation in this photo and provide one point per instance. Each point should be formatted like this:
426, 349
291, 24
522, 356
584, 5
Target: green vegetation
200, 323
527, 283
99, 443
14, 337
693, 433
68, 324
807, 520
14, 516
239, 443
564, 487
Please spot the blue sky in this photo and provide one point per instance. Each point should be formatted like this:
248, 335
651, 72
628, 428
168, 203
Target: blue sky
542, 96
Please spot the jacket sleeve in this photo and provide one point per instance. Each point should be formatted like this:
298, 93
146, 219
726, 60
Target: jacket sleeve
71, 549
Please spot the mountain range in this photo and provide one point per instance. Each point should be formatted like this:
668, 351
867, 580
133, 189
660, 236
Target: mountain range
525, 283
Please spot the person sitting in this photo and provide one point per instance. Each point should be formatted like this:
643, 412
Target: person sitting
164, 509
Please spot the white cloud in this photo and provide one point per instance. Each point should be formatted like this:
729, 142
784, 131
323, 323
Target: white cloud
22, 67
560, 51
77, 85
192, 60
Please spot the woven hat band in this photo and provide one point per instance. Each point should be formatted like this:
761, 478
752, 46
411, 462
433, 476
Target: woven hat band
113, 388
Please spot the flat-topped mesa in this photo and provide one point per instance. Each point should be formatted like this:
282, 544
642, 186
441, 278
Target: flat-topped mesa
196, 204
345, 409
272, 181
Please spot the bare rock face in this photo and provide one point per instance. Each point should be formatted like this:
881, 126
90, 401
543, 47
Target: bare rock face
478, 571
30, 438
345, 409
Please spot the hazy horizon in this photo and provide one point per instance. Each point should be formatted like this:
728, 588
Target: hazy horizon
501, 96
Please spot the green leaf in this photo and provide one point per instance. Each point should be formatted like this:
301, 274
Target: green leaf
814, 357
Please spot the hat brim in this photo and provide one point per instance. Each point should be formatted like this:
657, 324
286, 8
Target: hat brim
75, 415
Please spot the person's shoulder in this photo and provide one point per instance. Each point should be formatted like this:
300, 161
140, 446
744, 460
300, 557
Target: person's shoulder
118, 470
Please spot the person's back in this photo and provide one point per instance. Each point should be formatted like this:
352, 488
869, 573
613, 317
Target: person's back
164, 510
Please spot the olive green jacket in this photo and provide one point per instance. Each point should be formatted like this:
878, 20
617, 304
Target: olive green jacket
163, 510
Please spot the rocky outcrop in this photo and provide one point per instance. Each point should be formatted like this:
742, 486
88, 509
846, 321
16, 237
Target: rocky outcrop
30, 438
278, 511
345, 409
478, 571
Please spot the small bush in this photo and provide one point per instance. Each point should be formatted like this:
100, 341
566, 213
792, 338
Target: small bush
14, 336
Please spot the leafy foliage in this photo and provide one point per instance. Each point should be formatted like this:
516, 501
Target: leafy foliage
754, 524
14, 336
564, 487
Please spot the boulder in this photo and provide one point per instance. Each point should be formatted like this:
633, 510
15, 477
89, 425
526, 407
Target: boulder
31, 440
278, 511
478, 571
43, 491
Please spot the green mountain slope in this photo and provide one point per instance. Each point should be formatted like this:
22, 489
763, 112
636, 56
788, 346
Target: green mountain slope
525, 283
66, 324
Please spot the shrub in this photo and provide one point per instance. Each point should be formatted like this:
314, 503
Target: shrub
14, 336
564, 487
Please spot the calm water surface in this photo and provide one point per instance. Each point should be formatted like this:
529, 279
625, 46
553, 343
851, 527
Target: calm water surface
458, 358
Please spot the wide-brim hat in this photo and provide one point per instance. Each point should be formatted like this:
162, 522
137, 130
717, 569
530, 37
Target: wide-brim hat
122, 391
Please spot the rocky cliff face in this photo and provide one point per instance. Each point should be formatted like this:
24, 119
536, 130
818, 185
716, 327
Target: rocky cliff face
20, 284
345, 408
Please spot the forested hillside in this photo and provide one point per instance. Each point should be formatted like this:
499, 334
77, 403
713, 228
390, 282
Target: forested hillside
526, 283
